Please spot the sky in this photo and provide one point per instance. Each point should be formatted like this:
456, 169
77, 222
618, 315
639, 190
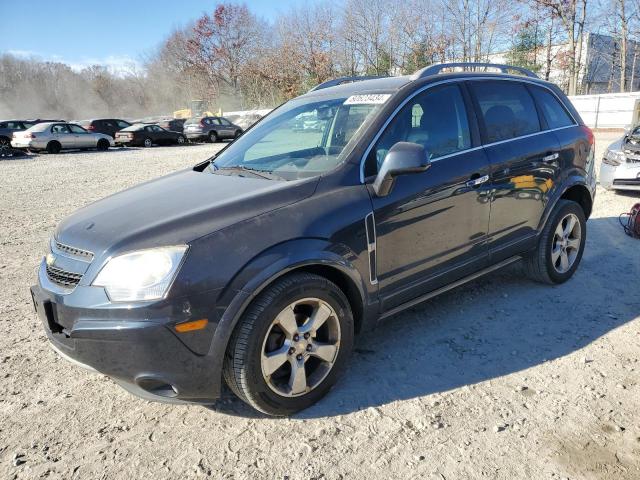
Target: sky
115, 33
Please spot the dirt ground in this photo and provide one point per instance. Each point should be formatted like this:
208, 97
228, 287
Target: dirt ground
499, 379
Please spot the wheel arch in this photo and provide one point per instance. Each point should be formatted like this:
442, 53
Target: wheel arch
263, 271
580, 194
576, 190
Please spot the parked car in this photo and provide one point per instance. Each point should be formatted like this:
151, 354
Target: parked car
56, 136
620, 167
148, 135
259, 265
173, 124
8, 127
108, 126
212, 129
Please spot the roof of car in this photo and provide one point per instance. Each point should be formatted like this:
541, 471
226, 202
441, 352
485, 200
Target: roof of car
392, 84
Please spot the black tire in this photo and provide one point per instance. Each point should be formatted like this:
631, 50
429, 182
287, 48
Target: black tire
213, 137
237, 133
103, 145
147, 142
181, 140
54, 147
539, 264
242, 363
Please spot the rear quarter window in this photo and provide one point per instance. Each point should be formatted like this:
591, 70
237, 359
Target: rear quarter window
507, 110
554, 112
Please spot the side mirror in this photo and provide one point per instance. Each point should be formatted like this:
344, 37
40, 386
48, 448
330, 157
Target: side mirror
402, 159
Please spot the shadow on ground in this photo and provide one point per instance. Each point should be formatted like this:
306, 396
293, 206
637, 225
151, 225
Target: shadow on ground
494, 326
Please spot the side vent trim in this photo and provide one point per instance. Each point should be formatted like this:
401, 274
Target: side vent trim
370, 227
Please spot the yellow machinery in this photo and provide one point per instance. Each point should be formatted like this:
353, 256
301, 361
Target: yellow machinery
198, 109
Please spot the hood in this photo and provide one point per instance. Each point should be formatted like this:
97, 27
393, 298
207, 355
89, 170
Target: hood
175, 209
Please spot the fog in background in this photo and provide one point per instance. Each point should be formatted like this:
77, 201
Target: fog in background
234, 60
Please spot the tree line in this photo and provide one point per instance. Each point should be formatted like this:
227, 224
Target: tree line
233, 59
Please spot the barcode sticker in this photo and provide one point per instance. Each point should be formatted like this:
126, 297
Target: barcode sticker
372, 99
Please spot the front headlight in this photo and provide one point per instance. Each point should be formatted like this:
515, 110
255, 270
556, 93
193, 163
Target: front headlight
140, 275
613, 157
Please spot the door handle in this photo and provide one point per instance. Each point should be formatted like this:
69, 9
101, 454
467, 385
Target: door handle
551, 157
475, 182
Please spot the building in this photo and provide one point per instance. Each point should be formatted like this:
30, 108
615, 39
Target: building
599, 68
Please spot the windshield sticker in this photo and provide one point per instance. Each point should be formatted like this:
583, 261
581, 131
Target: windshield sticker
373, 99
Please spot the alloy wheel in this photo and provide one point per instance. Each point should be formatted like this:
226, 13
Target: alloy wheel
566, 243
300, 347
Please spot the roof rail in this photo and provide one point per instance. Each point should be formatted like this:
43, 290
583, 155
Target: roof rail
341, 80
471, 66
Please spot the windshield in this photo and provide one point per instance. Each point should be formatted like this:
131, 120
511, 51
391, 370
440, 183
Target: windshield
303, 138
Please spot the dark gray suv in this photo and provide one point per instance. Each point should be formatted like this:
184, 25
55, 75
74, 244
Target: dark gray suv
212, 129
257, 267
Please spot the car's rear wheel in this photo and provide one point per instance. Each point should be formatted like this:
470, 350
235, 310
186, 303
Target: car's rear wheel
5, 144
561, 245
147, 142
213, 137
181, 140
103, 145
291, 344
54, 147
237, 134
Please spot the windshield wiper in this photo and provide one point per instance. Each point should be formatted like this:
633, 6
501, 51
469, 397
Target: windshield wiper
252, 171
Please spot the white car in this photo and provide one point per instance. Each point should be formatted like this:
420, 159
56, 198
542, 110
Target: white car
620, 169
56, 136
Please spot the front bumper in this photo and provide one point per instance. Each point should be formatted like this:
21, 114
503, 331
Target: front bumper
625, 176
135, 346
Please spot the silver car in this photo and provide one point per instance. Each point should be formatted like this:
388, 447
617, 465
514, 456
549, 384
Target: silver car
620, 169
56, 136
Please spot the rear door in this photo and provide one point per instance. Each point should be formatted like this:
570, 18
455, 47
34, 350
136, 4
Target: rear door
525, 166
432, 228
61, 133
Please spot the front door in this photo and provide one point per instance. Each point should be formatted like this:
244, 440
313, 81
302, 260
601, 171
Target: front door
432, 228
82, 138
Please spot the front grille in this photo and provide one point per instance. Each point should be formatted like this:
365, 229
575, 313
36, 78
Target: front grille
74, 252
62, 277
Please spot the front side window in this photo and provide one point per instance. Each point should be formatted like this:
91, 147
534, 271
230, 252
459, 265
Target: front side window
436, 119
76, 129
554, 113
507, 110
224, 121
303, 138
122, 124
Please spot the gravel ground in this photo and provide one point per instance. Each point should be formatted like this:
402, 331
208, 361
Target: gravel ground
500, 379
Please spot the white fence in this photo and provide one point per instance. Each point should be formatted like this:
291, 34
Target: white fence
611, 110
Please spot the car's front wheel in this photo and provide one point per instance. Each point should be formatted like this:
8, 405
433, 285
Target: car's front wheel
561, 245
291, 344
147, 142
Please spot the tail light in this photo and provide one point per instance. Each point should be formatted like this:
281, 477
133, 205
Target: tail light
589, 134
26, 135
202, 122
90, 127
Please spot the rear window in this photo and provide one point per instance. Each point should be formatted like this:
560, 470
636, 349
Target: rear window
554, 113
507, 109
133, 128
